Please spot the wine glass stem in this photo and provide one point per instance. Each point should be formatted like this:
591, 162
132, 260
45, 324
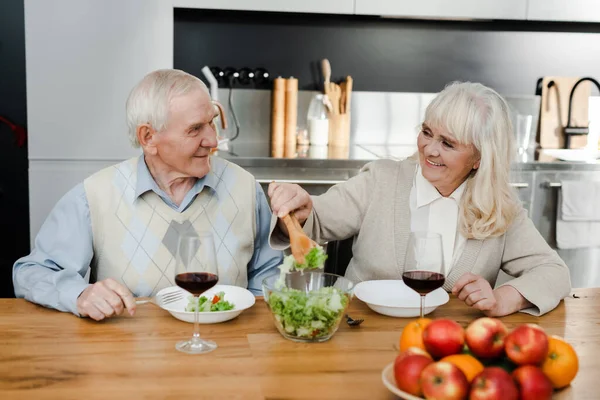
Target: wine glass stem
196, 337
422, 304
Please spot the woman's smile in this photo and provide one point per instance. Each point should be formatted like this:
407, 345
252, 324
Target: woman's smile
433, 164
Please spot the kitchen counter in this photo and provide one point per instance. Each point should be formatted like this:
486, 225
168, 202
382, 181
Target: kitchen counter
317, 162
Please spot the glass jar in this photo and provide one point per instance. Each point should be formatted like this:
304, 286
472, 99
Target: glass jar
318, 121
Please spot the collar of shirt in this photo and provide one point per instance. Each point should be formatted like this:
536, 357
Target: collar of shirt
146, 183
427, 193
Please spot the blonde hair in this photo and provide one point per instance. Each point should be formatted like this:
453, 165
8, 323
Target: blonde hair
149, 100
478, 115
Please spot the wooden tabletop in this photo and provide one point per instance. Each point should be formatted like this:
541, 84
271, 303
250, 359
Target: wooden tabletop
48, 354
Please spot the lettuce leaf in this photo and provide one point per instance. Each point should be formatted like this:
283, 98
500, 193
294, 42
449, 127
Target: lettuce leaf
205, 304
314, 259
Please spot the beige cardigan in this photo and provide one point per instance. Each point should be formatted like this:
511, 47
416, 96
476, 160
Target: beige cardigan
373, 207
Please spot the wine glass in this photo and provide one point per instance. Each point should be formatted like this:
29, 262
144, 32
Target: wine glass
424, 264
196, 271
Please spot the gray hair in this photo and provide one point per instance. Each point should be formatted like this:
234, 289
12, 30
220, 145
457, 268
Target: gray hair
478, 115
149, 100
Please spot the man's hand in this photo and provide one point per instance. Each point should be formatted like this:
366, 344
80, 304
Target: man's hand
105, 299
287, 197
476, 292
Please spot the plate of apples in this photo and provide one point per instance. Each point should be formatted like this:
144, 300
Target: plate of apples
439, 359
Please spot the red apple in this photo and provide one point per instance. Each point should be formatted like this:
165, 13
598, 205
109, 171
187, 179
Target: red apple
485, 337
442, 380
533, 383
493, 383
407, 371
527, 344
412, 351
443, 337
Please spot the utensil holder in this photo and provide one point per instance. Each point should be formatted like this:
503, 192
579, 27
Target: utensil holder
339, 130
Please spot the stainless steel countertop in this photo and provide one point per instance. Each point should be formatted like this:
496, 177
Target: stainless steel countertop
255, 157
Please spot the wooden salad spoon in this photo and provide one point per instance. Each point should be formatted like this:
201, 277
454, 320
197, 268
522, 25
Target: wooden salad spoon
300, 243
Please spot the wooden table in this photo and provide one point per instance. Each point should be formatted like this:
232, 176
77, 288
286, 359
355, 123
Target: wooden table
48, 354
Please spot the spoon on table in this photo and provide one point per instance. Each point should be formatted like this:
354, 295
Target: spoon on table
353, 322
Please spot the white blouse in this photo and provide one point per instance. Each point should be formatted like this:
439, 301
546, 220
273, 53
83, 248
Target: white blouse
430, 211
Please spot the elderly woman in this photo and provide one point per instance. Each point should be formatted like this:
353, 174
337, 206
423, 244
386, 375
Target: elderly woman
123, 222
456, 185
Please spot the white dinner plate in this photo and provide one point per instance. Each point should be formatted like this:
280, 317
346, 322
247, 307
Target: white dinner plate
395, 299
241, 298
387, 376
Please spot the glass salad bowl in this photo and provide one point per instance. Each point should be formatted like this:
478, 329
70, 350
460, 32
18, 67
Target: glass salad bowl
307, 306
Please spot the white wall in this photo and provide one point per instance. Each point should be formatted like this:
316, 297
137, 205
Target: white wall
83, 57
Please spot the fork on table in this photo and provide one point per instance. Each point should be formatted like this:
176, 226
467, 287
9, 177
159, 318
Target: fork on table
163, 299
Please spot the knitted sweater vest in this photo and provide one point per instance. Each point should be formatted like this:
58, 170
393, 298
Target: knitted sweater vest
135, 239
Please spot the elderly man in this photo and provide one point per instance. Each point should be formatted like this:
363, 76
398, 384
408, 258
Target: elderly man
124, 221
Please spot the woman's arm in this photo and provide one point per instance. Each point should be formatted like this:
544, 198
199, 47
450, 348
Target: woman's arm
338, 214
541, 276
508, 301
334, 215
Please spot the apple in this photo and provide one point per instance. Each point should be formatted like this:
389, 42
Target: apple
412, 351
493, 383
442, 380
533, 384
443, 337
485, 337
407, 371
527, 344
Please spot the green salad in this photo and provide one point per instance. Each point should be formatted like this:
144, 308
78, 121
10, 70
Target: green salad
204, 304
308, 315
315, 259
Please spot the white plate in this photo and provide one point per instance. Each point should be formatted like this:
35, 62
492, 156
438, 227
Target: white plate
581, 155
395, 299
387, 376
240, 297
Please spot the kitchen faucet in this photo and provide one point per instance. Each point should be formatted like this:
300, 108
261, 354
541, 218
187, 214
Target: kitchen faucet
574, 130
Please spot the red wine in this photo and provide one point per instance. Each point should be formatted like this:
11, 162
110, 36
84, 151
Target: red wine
423, 282
196, 282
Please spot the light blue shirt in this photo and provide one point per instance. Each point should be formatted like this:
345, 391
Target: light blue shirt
53, 274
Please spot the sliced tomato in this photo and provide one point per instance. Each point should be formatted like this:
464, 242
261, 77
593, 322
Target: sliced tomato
215, 299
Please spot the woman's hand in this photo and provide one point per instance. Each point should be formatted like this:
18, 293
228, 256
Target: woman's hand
476, 292
287, 197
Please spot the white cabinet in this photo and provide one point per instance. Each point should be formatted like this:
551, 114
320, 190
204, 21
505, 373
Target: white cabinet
301, 6
445, 9
83, 57
564, 10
